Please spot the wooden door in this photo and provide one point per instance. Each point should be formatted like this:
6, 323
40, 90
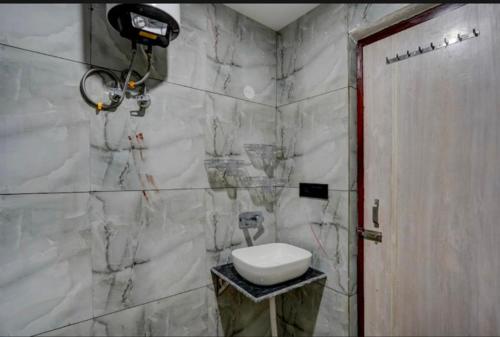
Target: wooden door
432, 157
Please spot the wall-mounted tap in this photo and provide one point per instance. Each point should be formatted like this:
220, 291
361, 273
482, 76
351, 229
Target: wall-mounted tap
249, 220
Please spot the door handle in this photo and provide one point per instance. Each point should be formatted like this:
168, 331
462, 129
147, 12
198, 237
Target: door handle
375, 213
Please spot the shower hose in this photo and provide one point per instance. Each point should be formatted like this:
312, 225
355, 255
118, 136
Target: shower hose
116, 100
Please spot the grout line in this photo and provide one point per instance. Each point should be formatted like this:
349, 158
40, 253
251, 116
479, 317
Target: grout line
45, 54
151, 78
143, 190
314, 96
338, 292
127, 308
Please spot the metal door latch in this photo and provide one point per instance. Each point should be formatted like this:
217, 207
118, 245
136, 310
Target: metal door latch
370, 235
375, 213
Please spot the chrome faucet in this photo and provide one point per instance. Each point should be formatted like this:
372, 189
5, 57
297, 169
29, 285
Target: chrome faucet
249, 220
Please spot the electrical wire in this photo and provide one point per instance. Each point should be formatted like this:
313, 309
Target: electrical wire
150, 62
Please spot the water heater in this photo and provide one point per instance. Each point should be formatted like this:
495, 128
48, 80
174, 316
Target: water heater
147, 24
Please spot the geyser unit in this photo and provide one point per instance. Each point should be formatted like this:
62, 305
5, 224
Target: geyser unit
148, 24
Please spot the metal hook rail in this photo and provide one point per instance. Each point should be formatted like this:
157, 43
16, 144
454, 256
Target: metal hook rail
432, 47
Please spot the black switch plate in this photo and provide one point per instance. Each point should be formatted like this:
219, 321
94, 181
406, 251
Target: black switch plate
319, 191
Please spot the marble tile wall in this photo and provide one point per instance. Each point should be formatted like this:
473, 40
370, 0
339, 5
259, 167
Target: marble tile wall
42, 114
110, 223
312, 54
45, 258
315, 126
186, 314
361, 14
314, 136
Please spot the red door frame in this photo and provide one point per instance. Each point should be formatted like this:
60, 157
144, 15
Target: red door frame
398, 27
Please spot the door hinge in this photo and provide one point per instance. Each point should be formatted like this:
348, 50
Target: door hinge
370, 235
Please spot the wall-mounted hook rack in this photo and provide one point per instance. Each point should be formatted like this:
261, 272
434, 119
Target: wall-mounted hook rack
432, 47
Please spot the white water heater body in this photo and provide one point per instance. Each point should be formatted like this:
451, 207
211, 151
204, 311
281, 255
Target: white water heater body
148, 24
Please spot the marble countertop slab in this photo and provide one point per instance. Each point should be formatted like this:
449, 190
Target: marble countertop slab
257, 293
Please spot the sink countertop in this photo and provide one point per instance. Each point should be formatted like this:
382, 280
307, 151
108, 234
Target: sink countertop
258, 293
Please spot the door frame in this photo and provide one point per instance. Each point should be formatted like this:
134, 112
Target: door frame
391, 30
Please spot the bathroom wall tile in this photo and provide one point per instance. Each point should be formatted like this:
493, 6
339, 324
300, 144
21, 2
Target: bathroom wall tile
217, 50
44, 127
139, 238
166, 148
79, 329
353, 242
312, 54
222, 233
45, 262
61, 30
163, 149
352, 61
232, 123
353, 139
353, 315
320, 226
363, 14
185, 314
313, 134
312, 310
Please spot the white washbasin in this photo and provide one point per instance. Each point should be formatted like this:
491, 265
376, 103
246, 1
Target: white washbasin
271, 263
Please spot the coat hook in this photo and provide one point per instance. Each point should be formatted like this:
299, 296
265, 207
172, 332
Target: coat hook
459, 37
397, 57
446, 42
408, 53
387, 60
420, 50
475, 31
432, 46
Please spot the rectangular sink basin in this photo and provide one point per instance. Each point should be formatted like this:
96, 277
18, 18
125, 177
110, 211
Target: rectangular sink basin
271, 263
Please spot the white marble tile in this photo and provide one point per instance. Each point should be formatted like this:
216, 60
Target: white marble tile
222, 232
321, 227
353, 315
313, 133
61, 30
217, 50
45, 262
44, 127
164, 149
313, 310
353, 242
363, 14
353, 139
186, 314
180, 315
232, 123
79, 329
352, 61
145, 245
312, 54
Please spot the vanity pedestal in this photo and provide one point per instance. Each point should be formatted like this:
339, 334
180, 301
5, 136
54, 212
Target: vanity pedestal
258, 293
